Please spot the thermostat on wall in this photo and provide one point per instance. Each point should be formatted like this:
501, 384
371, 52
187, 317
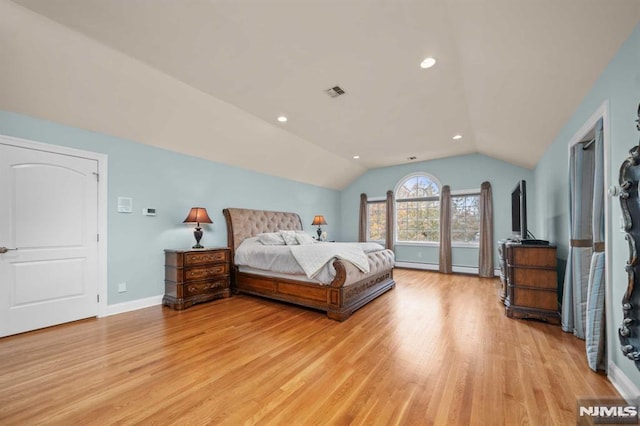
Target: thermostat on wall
148, 212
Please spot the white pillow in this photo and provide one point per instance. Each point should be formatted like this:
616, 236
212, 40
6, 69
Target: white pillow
271, 239
289, 237
304, 238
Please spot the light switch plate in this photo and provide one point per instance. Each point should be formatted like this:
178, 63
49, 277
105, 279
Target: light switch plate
125, 205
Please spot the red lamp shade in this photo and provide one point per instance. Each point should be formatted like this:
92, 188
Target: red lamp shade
198, 215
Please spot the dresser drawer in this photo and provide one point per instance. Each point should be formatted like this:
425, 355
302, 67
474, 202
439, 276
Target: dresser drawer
531, 277
205, 287
538, 299
542, 256
194, 258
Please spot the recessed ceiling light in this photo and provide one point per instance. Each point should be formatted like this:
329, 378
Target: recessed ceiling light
282, 119
457, 137
428, 62
355, 157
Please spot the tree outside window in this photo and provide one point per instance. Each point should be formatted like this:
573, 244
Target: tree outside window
377, 221
465, 218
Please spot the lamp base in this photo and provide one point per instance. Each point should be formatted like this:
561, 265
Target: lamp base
198, 234
319, 233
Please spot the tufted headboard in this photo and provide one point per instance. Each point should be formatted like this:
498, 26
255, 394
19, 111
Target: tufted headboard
245, 223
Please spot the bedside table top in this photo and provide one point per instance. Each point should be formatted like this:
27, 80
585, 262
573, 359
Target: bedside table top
195, 250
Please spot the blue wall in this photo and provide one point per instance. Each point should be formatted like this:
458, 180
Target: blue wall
619, 86
172, 183
460, 173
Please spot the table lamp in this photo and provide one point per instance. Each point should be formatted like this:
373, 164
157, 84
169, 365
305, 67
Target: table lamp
198, 215
317, 221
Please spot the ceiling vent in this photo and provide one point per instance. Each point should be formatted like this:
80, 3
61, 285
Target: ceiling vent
335, 91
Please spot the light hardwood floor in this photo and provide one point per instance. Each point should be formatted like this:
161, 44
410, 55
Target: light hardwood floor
436, 350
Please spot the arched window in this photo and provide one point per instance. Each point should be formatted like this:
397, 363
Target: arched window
418, 209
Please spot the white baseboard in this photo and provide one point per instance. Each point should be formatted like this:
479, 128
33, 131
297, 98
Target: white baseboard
434, 267
120, 308
414, 265
622, 383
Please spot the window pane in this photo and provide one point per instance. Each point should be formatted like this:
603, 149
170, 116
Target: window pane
377, 221
465, 218
418, 209
417, 187
418, 220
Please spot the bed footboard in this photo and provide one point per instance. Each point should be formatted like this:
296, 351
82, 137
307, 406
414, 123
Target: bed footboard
353, 296
339, 301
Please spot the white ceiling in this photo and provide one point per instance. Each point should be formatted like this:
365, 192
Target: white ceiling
509, 72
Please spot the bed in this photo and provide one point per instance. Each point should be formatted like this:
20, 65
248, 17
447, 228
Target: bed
347, 291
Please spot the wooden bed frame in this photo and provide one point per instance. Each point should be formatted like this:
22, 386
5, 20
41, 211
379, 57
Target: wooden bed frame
349, 290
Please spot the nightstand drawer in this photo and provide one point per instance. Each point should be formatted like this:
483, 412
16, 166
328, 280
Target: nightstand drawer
206, 272
204, 287
193, 258
179, 275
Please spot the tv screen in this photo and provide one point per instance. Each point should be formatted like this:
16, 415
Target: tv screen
519, 211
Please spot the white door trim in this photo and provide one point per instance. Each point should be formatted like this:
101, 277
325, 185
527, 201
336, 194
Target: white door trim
601, 112
102, 160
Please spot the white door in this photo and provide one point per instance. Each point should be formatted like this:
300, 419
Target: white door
48, 223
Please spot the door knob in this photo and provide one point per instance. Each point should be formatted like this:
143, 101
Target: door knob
4, 250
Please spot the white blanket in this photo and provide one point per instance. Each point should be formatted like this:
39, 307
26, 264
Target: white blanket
280, 259
313, 257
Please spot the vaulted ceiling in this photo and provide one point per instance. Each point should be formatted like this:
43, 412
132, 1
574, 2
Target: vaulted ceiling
509, 73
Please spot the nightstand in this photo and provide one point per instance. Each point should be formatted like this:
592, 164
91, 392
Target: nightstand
195, 276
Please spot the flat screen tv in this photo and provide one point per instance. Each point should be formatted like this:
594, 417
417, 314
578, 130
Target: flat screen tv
519, 211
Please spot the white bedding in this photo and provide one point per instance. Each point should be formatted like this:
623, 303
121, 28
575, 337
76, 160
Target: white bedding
317, 259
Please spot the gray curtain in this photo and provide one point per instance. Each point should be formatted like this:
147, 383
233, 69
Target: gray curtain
576, 281
485, 253
390, 221
362, 219
445, 230
595, 325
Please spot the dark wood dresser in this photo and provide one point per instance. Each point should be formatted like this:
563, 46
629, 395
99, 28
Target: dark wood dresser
532, 282
195, 276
